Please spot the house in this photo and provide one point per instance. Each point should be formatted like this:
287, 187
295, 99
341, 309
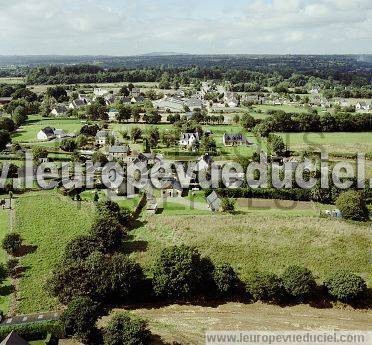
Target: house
100, 92
136, 92
112, 114
101, 137
214, 202
189, 140
5, 100
60, 133
204, 162
231, 100
235, 140
126, 100
118, 152
171, 189
362, 106
77, 103
110, 99
46, 133
14, 339
59, 110
138, 99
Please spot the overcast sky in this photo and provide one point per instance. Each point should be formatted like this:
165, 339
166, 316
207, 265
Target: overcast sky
129, 27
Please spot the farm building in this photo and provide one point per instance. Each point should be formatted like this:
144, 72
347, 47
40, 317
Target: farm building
119, 152
171, 189
46, 133
101, 137
59, 110
235, 139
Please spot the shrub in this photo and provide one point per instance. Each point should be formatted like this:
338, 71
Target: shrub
108, 233
124, 328
346, 286
226, 280
33, 331
352, 206
178, 273
298, 282
266, 287
12, 242
228, 205
80, 247
80, 317
11, 266
121, 214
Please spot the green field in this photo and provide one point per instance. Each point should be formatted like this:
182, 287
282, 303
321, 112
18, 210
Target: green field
341, 142
47, 221
27, 133
5, 288
262, 240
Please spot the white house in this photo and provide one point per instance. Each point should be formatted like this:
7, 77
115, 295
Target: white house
363, 106
112, 114
101, 137
46, 133
59, 110
189, 140
100, 92
231, 100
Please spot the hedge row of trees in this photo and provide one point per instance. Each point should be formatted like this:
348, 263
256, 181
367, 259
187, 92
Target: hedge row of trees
280, 121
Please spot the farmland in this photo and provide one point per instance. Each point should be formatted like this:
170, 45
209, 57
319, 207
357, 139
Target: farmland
46, 221
262, 240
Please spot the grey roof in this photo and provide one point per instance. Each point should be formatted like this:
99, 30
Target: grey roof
13, 339
187, 136
59, 132
49, 131
172, 184
119, 149
101, 134
79, 102
214, 201
235, 137
60, 108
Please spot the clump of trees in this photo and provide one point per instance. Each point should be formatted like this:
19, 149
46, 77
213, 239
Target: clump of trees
12, 242
353, 206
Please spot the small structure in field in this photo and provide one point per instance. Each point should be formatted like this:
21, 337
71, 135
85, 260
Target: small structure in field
214, 201
333, 213
171, 189
235, 140
46, 133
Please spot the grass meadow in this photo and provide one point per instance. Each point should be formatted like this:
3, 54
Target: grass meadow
261, 240
5, 288
47, 221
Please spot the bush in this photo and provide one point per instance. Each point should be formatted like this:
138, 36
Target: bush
298, 282
226, 280
33, 331
80, 317
108, 233
178, 273
228, 205
352, 206
266, 287
346, 286
124, 328
80, 248
12, 242
11, 265
122, 215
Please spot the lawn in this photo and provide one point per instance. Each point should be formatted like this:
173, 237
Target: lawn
5, 296
263, 240
341, 142
47, 221
27, 133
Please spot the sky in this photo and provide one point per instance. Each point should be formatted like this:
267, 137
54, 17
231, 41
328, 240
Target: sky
131, 27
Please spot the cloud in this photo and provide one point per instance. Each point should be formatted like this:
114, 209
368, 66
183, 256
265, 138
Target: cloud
125, 27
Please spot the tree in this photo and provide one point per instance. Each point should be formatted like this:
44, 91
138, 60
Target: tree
236, 119
7, 124
352, 206
58, 92
228, 205
12, 243
153, 136
346, 286
135, 134
4, 139
112, 208
99, 157
276, 144
152, 117
208, 145
108, 233
125, 328
169, 137
39, 152
178, 272
136, 114
80, 248
226, 280
68, 145
80, 317
298, 282
19, 116
266, 287
4, 271
247, 121
124, 113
